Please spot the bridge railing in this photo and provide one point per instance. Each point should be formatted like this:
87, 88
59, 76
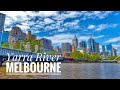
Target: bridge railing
4, 51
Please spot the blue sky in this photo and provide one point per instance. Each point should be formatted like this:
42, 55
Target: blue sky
61, 26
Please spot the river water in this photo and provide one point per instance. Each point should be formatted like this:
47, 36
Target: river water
86, 71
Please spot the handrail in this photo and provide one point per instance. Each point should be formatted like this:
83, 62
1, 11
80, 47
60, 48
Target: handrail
117, 57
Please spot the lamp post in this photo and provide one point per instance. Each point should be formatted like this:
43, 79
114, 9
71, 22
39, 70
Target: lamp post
21, 45
28, 46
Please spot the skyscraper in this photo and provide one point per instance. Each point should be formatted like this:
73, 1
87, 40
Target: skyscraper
5, 35
82, 45
104, 53
2, 21
17, 33
91, 45
58, 50
30, 36
75, 42
46, 44
109, 49
97, 50
103, 48
66, 47
114, 52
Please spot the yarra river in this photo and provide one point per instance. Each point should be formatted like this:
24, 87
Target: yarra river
86, 71
80, 71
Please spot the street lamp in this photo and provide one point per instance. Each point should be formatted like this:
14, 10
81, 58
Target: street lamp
21, 45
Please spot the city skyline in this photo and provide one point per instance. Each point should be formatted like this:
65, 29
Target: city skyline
60, 27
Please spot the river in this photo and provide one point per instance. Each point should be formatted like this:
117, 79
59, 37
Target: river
86, 71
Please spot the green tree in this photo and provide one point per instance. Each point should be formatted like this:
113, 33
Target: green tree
95, 56
26, 40
77, 55
5, 45
18, 46
33, 43
86, 56
51, 52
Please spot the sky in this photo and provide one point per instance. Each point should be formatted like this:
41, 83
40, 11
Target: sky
61, 26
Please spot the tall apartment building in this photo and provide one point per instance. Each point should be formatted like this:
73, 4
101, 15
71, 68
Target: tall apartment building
30, 36
46, 44
66, 47
2, 21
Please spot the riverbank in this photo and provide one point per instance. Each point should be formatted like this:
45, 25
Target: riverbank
94, 61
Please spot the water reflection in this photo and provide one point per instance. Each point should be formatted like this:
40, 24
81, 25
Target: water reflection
87, 71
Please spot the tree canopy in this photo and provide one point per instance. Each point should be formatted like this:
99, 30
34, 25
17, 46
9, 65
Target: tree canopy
5, 45
86, 56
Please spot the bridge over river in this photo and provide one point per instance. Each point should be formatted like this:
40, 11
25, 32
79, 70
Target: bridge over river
4, 55
12, 52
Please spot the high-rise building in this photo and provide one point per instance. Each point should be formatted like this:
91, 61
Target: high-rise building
104, 53
114, 52
17, 33
97, 50
2, 21
46, 44
66, 47
59, 51
109, 49
82, 46
5, 35
75, 42
30, 36
103, 48
91, 45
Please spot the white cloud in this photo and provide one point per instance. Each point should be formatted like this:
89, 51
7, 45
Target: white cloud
83, 38
73, 24
24, 28
24, 16
8, 21
105, 14
16, 15
95, 14
104, 26
37, 31
101, 27
47, 13
7, 29
97, 37
61, 30
48, 21
60, 38
111, 40
116, 45
91, 26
